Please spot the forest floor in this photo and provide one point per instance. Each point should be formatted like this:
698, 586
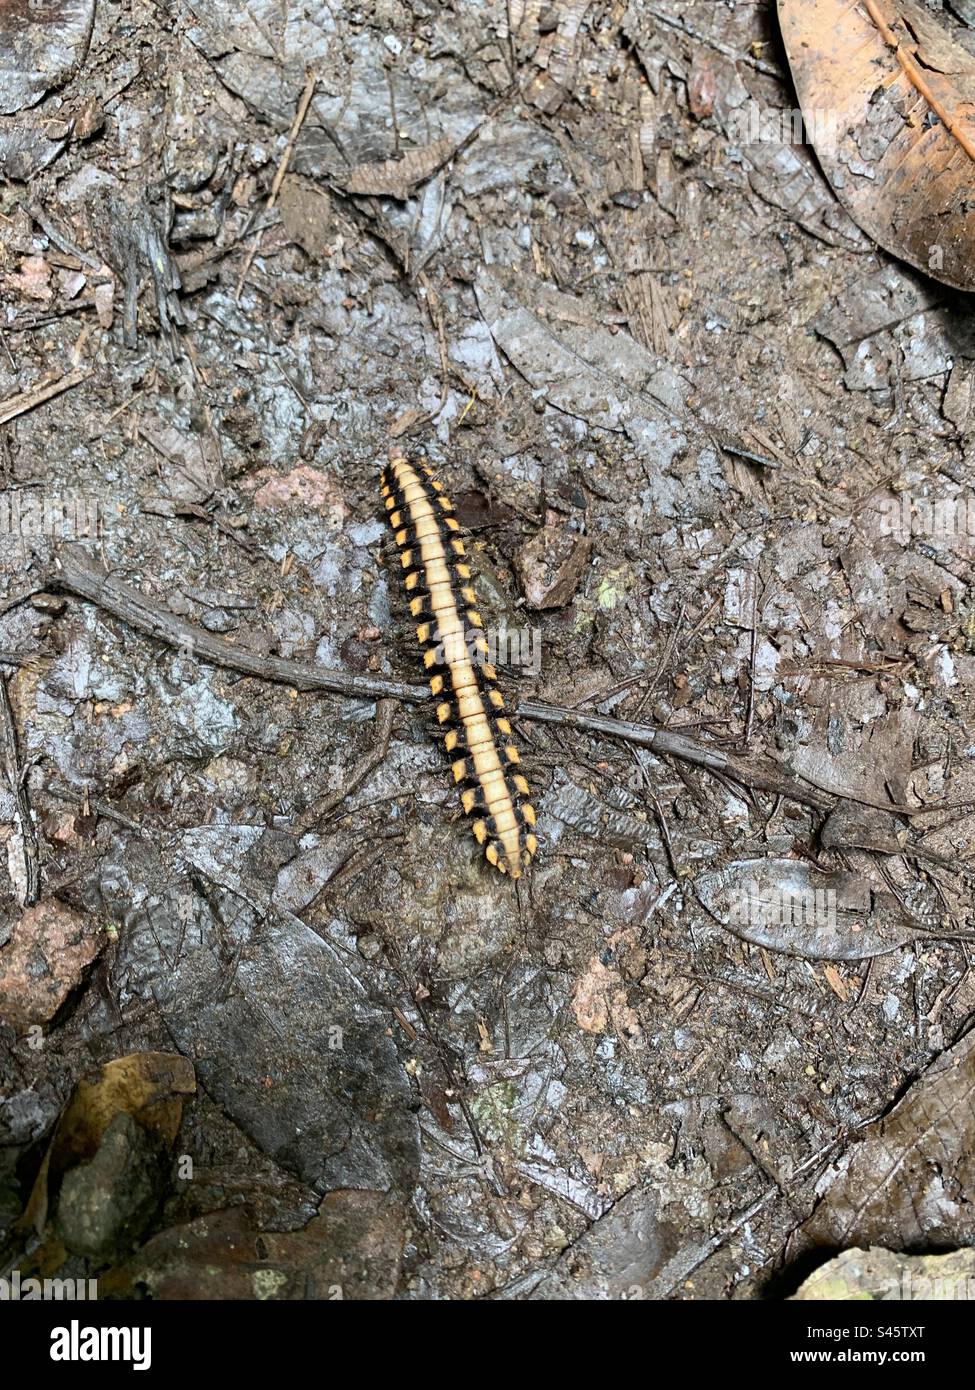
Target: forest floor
688, 412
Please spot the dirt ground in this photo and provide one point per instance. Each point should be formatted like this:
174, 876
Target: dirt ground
677, 397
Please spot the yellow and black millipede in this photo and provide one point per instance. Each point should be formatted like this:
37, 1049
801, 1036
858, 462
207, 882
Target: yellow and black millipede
477, 735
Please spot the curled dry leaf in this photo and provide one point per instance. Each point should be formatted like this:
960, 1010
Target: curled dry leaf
785, 905
888, 98
148, 1086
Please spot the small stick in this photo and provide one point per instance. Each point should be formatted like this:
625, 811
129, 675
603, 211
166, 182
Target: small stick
63, 242
300, 114
750, 711
78, 576
11, 765
37, 395
385, 713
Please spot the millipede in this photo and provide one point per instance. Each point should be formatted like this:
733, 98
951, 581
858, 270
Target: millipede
440, 589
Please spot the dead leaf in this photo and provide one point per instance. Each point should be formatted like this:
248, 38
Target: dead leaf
907, 1183
551, 563
785, 905
886, 94
350, 1250
312, 489
581, 366
836, 982
190, 464
599, 1002
105, 303
41, 43
396, 178
147, 1086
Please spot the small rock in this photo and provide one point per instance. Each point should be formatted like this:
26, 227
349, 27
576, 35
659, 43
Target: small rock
49, 951
105, 1205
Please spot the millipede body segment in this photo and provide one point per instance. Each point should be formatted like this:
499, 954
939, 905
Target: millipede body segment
470, 709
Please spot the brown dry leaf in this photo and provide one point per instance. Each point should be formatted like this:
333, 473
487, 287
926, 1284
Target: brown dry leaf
836, 982
105, 303
907, 1183
551, 564
887, 97
149, 1086
313, 490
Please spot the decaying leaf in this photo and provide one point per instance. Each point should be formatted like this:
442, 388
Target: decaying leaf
785, 905
148, 1086
396, 178
350, 1250
41, 44
599, 1002
551, 564
907, 1183
888, 98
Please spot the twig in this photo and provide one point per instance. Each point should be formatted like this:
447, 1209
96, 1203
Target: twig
11, 766
37, 395
711, 759
78, 576
436, 318
101, 808
300, 114
750, 710
674, 23
15, 600
63, 242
